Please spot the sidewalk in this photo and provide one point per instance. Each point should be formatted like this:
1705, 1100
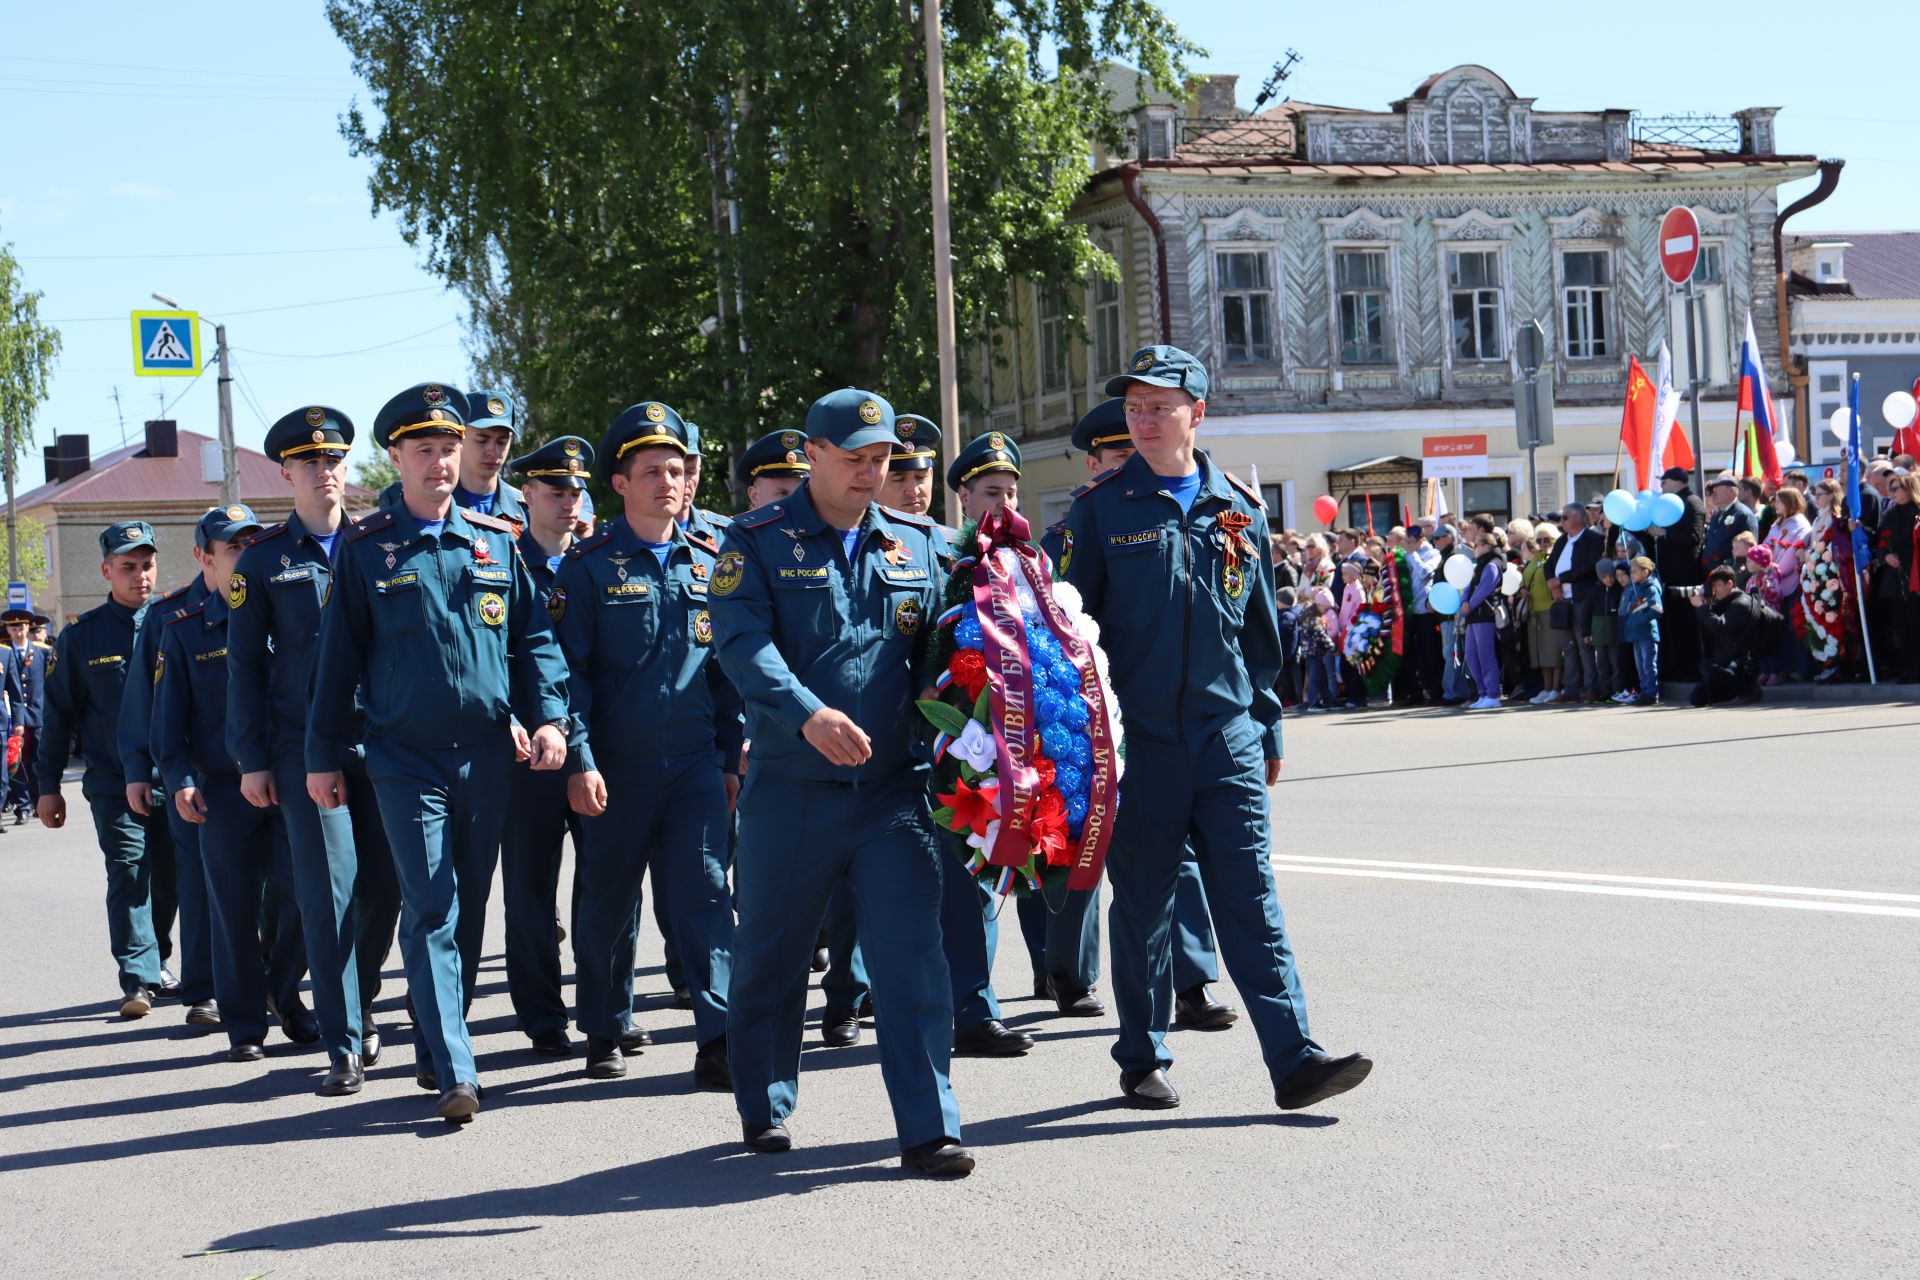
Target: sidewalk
1806, 692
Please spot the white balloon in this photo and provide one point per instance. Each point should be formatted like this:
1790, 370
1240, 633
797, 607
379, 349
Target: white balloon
1899, 408
1783, 449
1840, 423
1458, 572
1510, 580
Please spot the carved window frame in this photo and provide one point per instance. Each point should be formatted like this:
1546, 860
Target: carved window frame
1475, 231
1247, 230
1588, 231
1108, 239
1364, 229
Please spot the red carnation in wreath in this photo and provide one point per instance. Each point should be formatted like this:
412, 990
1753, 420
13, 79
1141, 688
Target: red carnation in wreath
969, 670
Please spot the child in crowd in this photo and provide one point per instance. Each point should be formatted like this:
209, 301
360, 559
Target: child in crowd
1612, 661
1318, 652
1640, 610
1287, 605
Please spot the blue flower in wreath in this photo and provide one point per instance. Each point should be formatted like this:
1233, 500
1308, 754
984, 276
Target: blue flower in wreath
966, 633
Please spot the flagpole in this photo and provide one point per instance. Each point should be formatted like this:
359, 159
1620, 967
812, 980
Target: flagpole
1855, 540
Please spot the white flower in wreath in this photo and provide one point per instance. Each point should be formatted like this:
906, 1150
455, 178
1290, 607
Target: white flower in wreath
975, 746
983, 841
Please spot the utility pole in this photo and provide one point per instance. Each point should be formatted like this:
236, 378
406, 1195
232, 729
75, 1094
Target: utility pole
229, 464
942, 248
13, 548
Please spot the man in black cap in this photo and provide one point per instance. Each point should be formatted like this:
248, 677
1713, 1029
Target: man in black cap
539, 820
84, 687
772, 467
1678, 555
1727, 519
342, 866
29, 662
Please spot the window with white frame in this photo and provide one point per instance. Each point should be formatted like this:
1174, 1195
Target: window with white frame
1051, 305
1827, 391
1103, 298
1587, 302
1473, 283
1244, 287
1360, 286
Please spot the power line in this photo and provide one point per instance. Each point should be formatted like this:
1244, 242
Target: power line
328, 355
255, 311
233, 253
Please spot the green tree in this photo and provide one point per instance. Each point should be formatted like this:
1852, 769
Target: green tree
27, 352
725, 203
375, 472
31, 565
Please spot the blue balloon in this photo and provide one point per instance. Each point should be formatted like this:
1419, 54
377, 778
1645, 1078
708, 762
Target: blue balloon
1618, 506
1444, 597
1668, 509
1642, 514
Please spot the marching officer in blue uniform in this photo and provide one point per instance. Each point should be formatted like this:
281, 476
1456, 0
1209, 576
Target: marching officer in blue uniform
822, 606
539, 819
1064, 945
433, 609
658, 769
85, 681
491, 429
342, 868
1170, 555
146, 798
986, 475
30, 668
243, 848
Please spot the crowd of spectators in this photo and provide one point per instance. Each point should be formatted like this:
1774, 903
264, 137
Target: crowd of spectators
1753, 586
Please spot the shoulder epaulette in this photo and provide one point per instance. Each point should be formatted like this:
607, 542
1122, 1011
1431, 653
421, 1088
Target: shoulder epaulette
598, 539
1252, 494
271, 531
372, 522
703, 542
714, 517
193, 610
1097, 481
760, 515
1058, 526
176, 593
907, 517
491, 522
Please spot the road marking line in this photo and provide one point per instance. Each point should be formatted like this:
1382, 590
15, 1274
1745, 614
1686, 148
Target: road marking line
1663, 882
1616, 891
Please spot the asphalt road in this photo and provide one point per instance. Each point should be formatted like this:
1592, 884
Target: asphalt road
1576, 1075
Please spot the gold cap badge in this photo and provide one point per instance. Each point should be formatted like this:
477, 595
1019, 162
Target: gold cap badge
316, 416
656, 413
869, 412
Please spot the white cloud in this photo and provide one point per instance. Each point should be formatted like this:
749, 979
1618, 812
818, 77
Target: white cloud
142, 191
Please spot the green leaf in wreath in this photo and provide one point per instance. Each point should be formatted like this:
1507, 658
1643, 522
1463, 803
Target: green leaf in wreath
945, 718
983, 705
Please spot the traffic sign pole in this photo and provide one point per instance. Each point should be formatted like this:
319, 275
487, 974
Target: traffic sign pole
1679, 255
1530, 350
229, 465
1692, 296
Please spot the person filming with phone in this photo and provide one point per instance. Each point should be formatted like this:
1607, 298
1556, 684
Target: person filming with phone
1729, 631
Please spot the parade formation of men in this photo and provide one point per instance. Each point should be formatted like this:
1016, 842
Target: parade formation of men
342, 727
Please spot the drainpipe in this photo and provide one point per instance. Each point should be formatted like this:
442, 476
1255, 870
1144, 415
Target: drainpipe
1797, 378
1130, 183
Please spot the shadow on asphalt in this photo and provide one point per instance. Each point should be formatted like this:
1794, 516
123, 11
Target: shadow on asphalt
720, 1173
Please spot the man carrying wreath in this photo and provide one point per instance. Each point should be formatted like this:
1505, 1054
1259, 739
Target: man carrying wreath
1171, 559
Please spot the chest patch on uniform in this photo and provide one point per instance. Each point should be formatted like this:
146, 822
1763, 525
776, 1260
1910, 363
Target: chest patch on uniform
727, 572
493, 609
106, 659
491, 573
557, 603
626, 590
903, 573
801, 573
236, 590
907, 615
702, 628
396, 582
1066, 551
299, 573
212, 655
1143, 538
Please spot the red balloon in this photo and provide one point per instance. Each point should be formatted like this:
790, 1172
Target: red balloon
1326, 508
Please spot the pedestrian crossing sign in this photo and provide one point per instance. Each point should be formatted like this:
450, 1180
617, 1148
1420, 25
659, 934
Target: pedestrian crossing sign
166, 344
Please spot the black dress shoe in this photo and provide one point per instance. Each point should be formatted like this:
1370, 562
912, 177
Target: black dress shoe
1149, 1090
1074, 1002
1041, 989
246, 1051
1321, 1077
300, 1024
423, 1077
1196, 1007
169, 988
635, 1041
604, 1059
820, 960
369, 1039
992, 1039
559, 930
553, 1044
458, 1104
710, 1069
346, 1076
768, 1139
203, 1013
838, 1030
941, 1158
136, 1001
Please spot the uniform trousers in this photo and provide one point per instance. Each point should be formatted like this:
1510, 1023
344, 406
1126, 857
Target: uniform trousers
132, 846
245, 855
539, 820
1066, 944
442, 810
349, 897
845, 982
194, 911
1210, 789
799, 842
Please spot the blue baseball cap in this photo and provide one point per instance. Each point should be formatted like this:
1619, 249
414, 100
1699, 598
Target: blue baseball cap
492, 409
1162, 367
224, 524
851, 419
693, 436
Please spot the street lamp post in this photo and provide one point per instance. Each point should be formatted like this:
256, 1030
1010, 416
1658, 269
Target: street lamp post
229, 462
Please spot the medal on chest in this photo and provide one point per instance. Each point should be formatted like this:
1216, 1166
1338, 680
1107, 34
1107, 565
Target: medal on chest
390, 548
482, 550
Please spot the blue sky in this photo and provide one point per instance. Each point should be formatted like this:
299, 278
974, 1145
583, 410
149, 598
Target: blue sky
194, 149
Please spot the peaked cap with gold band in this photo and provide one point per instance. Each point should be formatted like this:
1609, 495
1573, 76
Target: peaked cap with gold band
994, 451
430, 409
917, 444
564, 462
315, 429
647, 425
777, 454
1104, 424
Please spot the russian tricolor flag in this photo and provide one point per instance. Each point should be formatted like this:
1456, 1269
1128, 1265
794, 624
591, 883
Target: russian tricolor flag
1754, 454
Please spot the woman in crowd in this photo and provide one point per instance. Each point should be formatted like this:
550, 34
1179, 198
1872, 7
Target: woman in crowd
1896, 578
1827, 616
1316, 565
1483, 594
1545, 642
1786, 540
